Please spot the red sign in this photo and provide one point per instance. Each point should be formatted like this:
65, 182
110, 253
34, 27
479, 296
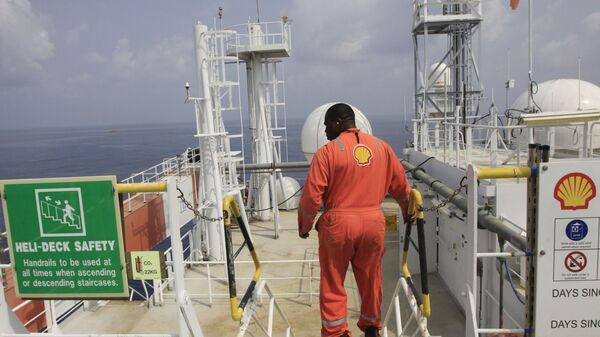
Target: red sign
575, 262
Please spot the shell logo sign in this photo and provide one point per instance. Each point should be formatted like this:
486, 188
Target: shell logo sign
574, 191
362, 155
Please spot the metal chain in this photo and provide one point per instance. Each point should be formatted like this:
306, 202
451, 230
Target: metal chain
447, 200
196, 212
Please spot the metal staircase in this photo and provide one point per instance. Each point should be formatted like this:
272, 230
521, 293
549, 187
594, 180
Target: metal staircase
224, 84
263, 46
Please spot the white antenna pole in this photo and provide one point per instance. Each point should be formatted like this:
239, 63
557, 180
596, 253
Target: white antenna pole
507, 78
404, 100
530, 89
579, 78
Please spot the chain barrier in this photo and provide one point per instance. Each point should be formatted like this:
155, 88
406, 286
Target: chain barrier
196, 212
447, 200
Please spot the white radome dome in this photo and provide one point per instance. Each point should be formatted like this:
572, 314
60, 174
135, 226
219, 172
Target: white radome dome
288, 189
563, 95
441, 75
313, 131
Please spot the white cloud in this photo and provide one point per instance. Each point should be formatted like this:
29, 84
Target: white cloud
82, 79
167, 59
498, 20
123, 60
24, 41
74, 35
592, 22
94, 57
346, 31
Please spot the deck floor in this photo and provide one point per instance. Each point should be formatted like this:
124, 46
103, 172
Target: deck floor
302, 310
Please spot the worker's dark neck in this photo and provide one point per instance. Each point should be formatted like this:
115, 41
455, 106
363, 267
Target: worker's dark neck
347, 125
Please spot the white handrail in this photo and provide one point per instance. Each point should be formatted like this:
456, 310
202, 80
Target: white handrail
249, 314
421, 321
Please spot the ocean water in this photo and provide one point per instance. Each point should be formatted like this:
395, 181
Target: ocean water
125, 150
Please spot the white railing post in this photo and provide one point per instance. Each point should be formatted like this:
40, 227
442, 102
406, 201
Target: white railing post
471, 239
468, 144
270, 317
437, 137
457, 134
494, 138
177, 254
397, 315
585, 140
416, 135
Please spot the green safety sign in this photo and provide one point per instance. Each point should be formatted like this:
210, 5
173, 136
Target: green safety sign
65, 237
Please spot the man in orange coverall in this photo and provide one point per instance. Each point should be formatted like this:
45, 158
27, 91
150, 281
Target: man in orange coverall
351, 175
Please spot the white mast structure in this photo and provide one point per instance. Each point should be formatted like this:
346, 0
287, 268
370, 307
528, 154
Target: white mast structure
459, 99
216, 95
262, 48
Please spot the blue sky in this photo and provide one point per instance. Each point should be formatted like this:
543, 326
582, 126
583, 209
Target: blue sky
69, 63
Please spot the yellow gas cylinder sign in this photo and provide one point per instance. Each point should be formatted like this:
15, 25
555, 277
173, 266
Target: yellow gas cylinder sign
146, 266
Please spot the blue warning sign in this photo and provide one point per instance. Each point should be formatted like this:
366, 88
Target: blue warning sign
576, 230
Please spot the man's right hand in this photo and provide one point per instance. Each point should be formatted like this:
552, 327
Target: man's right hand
304, 236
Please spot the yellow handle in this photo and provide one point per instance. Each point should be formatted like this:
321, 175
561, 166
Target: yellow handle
142, 187
229, 203
504, 172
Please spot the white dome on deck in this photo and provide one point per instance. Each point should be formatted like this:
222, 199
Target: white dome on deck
313, 131
562, 95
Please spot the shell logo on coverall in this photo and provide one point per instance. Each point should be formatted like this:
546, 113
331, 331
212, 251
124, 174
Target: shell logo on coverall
362, 155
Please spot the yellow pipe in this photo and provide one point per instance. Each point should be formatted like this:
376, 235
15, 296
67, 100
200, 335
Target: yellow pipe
236, 312
415, 203
257, 270
504, 172
229, 203
405, 271
426, 308
415, 209
142, 187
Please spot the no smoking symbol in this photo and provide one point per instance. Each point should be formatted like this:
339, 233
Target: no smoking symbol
575, 262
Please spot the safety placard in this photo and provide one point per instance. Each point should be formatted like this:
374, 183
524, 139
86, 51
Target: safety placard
65, 237
146, 265
568, 247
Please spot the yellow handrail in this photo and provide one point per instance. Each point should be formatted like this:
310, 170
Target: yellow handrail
142, 187
237, 310
504, 172
415, 211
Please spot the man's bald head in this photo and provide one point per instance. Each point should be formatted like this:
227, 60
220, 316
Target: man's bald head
339, 117
340, 112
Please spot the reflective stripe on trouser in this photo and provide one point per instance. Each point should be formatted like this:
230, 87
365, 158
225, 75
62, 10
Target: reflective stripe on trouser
350, 237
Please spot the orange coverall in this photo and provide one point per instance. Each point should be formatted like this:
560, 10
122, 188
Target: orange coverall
351, 178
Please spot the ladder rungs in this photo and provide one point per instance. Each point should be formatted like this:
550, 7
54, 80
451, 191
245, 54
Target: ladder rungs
231, 160
272, 82
220, 58
234, 108
224, 84
231, 153
204, 135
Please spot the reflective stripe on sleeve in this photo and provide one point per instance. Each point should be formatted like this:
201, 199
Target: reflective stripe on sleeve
367, 318
306, 214
333, 323
340, 144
